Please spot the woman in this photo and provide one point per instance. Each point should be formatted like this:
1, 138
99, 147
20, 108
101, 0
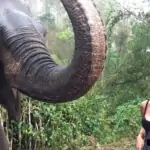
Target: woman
143, 138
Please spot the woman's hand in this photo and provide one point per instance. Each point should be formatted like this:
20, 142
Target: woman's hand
139, 143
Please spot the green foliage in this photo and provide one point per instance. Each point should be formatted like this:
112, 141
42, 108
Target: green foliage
127, 119
68, 124
72, 124
65, 35
48, 19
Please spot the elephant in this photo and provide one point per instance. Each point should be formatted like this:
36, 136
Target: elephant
27, 67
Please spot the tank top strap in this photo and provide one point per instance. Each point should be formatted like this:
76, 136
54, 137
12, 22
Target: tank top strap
146, 107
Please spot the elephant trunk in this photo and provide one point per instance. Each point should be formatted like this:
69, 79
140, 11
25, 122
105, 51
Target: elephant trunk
38, 76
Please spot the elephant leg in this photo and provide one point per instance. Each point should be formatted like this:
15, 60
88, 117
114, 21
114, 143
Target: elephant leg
4, 145
12, 105
9, 98
13, 126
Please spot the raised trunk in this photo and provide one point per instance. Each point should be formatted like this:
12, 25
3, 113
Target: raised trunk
39, 77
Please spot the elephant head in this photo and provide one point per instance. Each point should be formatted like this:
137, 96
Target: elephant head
29, 68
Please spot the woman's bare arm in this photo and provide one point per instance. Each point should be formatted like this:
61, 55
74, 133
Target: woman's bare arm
140, 139
141, 134
142, 108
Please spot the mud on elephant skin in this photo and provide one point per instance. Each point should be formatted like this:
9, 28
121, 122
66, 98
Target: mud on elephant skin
28, 66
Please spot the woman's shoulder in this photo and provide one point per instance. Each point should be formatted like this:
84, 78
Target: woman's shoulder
143, 105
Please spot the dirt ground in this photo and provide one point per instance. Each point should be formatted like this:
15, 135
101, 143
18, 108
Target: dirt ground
124, 144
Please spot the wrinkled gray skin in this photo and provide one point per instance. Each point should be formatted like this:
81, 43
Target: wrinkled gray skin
27, 66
